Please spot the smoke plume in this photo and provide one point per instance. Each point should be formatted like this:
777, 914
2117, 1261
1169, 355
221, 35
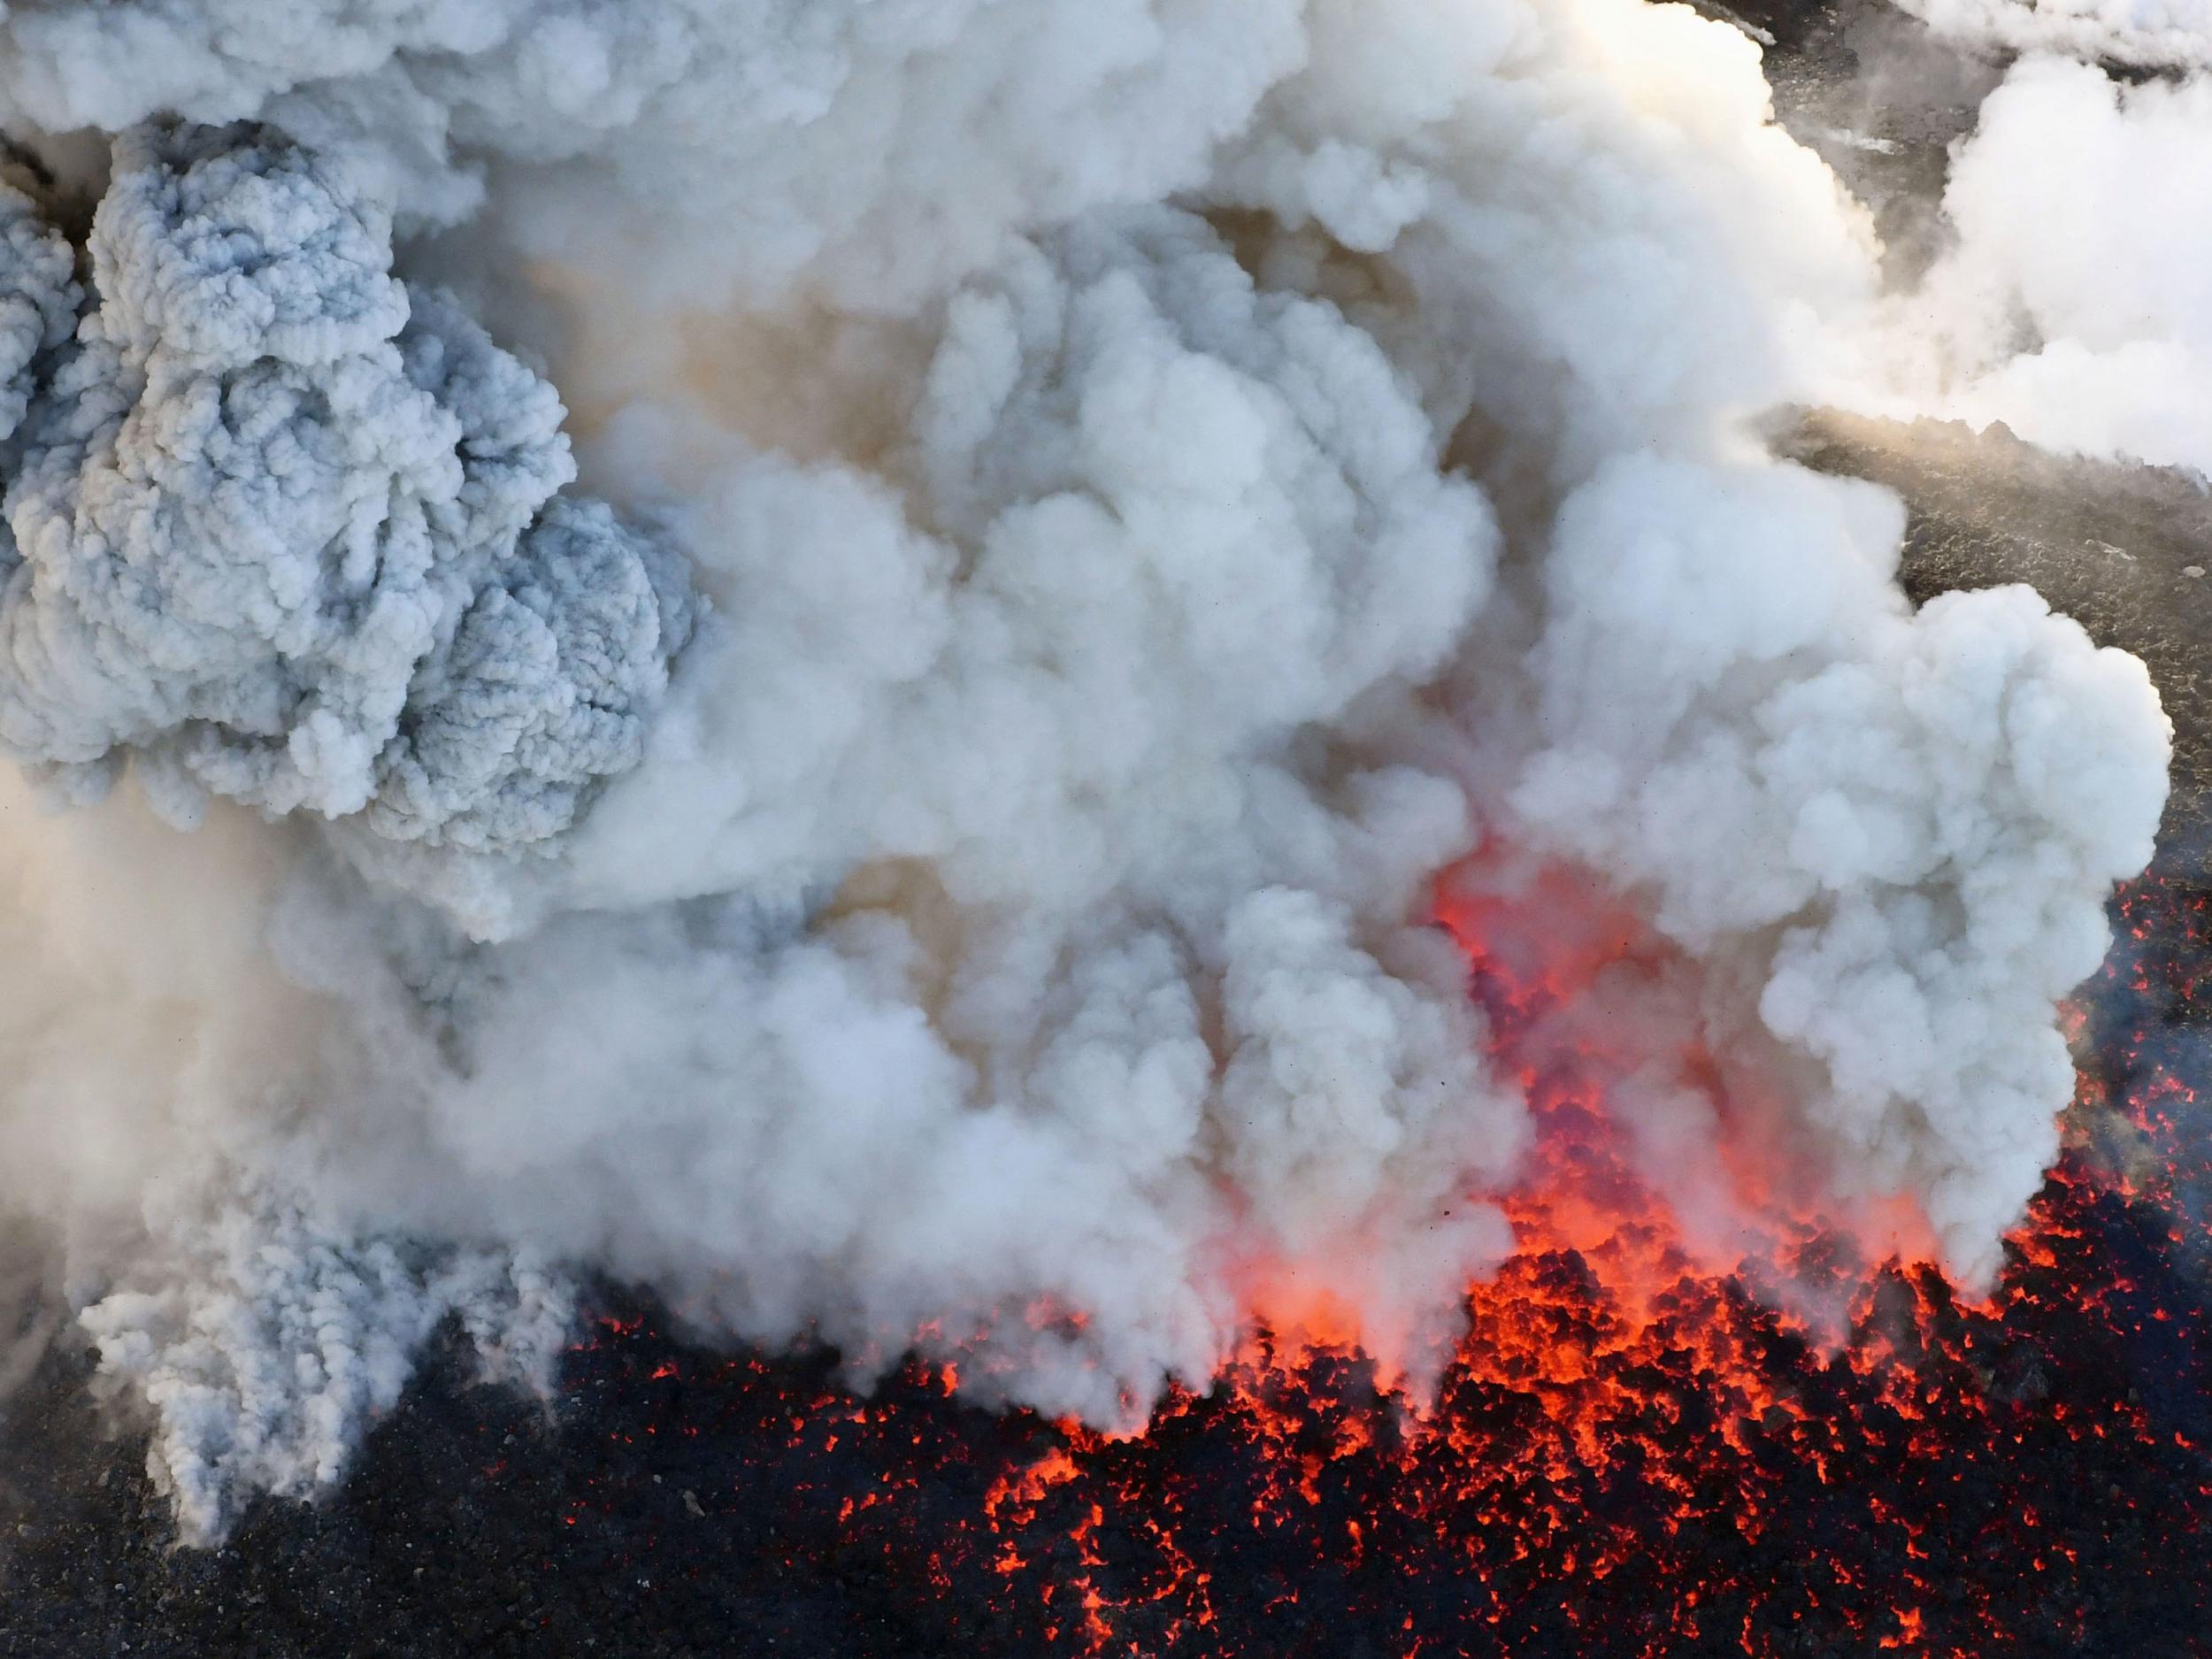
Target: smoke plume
1091, 511
2158, 34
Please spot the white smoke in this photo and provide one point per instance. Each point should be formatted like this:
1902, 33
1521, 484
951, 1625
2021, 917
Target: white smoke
879, 150
2071, 302
2153, 33
1108, 502
2076, 306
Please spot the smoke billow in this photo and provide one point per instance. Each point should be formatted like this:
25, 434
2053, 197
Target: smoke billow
2070, 300
2075, 308
1093, 510
2147, 34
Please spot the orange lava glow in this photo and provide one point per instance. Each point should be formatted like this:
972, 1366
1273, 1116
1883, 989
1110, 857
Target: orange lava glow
1817, 1448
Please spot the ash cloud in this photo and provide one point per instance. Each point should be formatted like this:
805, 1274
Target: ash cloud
1093, 510
283, 531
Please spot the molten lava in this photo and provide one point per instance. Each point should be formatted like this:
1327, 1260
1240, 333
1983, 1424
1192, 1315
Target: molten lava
1632, 1452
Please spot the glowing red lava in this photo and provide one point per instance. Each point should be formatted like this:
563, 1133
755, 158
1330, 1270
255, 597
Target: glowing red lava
1632, 1453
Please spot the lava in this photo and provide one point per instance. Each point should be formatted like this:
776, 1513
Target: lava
1638, 1450
1631, 1453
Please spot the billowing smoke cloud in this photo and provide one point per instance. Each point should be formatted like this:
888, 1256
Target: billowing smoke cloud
287, 532
2076, 306
2071, 302
1099, 507
880, 151
2153, 33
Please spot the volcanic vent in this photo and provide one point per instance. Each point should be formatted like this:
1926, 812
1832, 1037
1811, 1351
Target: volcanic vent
1086, 826
1628, 1454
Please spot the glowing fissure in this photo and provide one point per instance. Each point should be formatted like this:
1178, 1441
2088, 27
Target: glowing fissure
1614, 1412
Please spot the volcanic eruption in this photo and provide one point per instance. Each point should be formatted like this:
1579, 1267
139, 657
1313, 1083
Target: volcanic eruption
1137, 748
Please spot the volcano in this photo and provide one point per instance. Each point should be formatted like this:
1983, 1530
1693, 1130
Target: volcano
1690, 1412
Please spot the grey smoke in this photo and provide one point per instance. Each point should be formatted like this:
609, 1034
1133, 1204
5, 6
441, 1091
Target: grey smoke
879, 150
1095, 509
39, 302
286, 532
263, 1345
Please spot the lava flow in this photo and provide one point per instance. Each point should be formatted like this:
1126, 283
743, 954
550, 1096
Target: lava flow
1630, 1454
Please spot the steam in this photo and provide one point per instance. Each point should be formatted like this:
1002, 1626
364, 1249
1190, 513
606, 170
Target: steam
2070, 303
2164, 34
2076, 312
1095, 509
